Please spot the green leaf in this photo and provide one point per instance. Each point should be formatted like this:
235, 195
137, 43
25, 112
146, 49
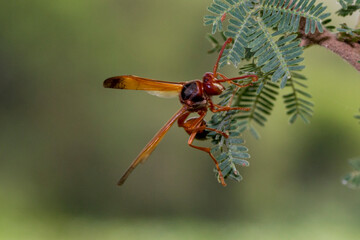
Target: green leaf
278, 13
259, 98
348, 7
357, 117
352, 180
228, 151
295, 102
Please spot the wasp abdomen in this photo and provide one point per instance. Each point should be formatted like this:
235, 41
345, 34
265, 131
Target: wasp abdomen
201, 132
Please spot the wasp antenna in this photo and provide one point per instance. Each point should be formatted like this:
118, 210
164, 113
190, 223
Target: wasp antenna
228, 41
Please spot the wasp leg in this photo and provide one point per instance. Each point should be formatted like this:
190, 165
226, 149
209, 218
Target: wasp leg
202, 128
218, 108
189, 124
193, 130
228, 41
207, 150
254, 78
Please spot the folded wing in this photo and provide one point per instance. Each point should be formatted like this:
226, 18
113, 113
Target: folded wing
155, 87
149, 148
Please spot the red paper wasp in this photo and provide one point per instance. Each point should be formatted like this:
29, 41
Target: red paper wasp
195, 96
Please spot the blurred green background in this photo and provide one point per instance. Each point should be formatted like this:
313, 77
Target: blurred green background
66, 140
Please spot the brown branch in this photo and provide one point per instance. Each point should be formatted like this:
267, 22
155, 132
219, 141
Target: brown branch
348, 51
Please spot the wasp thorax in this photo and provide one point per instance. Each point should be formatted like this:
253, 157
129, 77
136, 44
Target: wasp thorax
210, 86
192, 95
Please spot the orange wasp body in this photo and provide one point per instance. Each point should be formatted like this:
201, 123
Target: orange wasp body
195, 97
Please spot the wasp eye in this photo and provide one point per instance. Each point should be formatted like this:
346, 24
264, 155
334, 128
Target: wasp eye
208, 77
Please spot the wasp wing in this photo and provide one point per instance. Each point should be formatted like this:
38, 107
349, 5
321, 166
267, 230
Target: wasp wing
154, 87
149, 148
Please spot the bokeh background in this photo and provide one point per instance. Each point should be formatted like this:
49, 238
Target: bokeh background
65, 140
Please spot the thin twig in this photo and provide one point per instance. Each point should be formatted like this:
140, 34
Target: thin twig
348, 51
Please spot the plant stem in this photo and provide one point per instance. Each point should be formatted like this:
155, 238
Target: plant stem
350, 52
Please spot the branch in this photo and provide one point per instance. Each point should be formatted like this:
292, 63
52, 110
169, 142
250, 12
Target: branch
348, 51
